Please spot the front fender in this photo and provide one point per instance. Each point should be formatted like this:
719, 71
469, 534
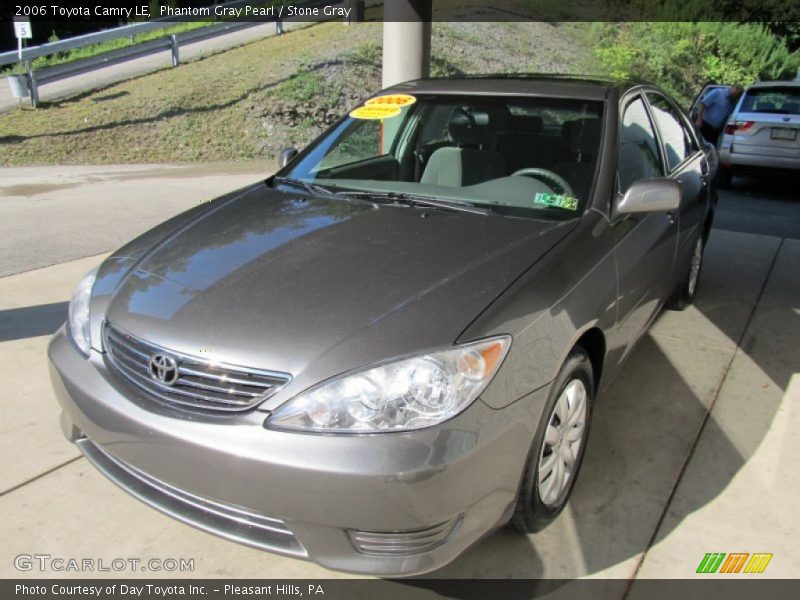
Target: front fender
573, 288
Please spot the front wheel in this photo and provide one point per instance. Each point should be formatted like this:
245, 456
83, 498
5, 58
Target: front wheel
558, 447
684, 295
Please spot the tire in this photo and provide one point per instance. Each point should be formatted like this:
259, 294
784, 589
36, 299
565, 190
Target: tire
538, 504
686, 291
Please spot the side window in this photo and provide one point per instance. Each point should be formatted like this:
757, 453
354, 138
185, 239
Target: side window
638, 150
678, 142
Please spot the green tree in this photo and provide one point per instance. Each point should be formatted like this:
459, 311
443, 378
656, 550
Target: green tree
682, 56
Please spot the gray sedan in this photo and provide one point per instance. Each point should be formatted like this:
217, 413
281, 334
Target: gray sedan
392, 347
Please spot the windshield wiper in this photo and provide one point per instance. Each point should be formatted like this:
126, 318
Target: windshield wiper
311, 188
417, 200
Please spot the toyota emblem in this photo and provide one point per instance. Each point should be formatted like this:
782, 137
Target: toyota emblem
163, 369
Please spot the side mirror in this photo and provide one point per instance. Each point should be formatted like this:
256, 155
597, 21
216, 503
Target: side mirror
650, 195
287, 154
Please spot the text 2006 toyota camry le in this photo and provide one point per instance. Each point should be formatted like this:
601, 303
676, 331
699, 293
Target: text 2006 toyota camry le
392, 347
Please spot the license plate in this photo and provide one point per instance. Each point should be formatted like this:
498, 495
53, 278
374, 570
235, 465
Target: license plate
783, 133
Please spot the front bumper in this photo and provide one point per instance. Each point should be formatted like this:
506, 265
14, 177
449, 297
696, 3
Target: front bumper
303, 495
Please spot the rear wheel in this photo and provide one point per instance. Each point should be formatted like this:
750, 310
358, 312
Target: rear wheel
684, 295
558, 447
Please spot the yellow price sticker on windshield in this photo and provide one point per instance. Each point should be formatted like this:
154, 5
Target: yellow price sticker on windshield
375, 112
391, 100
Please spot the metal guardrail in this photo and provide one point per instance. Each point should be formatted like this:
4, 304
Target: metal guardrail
172, 43
34, 78
129, 31
11, 57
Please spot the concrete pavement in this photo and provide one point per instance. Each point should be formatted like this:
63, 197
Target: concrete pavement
693, 447
740, 488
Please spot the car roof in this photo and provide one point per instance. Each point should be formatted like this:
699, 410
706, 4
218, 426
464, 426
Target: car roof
769, 84
531, 84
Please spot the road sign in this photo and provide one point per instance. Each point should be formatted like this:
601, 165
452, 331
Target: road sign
22, 29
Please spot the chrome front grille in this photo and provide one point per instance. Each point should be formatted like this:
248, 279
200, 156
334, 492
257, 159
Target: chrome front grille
198, 383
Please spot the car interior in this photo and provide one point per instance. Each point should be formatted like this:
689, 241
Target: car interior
493, 152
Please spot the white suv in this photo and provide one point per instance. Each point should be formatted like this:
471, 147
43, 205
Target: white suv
762, 131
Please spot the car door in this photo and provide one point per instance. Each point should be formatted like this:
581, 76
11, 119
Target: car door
702, 94
645, 243
685, 163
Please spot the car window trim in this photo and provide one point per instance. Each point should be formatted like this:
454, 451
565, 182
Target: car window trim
589, 201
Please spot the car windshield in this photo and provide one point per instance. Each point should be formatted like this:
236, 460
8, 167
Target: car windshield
517, 156
783, 100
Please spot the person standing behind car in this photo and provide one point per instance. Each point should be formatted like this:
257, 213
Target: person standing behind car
714, 110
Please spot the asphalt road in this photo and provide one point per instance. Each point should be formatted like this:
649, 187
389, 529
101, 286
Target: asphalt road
768, 205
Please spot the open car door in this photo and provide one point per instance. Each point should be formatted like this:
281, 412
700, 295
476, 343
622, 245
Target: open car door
706, 88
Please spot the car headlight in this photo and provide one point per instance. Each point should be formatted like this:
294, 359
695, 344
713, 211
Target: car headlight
79, 312
404, 394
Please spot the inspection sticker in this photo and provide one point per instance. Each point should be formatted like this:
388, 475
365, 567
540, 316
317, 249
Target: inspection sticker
392, 100
556, 200
375, 112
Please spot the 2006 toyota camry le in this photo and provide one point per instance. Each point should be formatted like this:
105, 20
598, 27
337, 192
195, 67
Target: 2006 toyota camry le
392, 347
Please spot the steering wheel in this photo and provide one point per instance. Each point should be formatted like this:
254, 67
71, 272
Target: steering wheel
547, 177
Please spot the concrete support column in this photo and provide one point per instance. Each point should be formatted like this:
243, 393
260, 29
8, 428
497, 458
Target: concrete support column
406, 40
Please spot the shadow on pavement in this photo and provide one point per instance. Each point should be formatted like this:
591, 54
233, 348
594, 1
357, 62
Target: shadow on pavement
771, 184
764, 204
31, 321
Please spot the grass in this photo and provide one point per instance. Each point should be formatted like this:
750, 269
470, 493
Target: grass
307, 86
213, 109
233, 106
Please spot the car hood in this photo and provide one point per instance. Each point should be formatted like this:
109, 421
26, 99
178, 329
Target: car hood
315, 286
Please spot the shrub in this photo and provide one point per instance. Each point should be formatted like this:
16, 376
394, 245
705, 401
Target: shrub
682, 56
